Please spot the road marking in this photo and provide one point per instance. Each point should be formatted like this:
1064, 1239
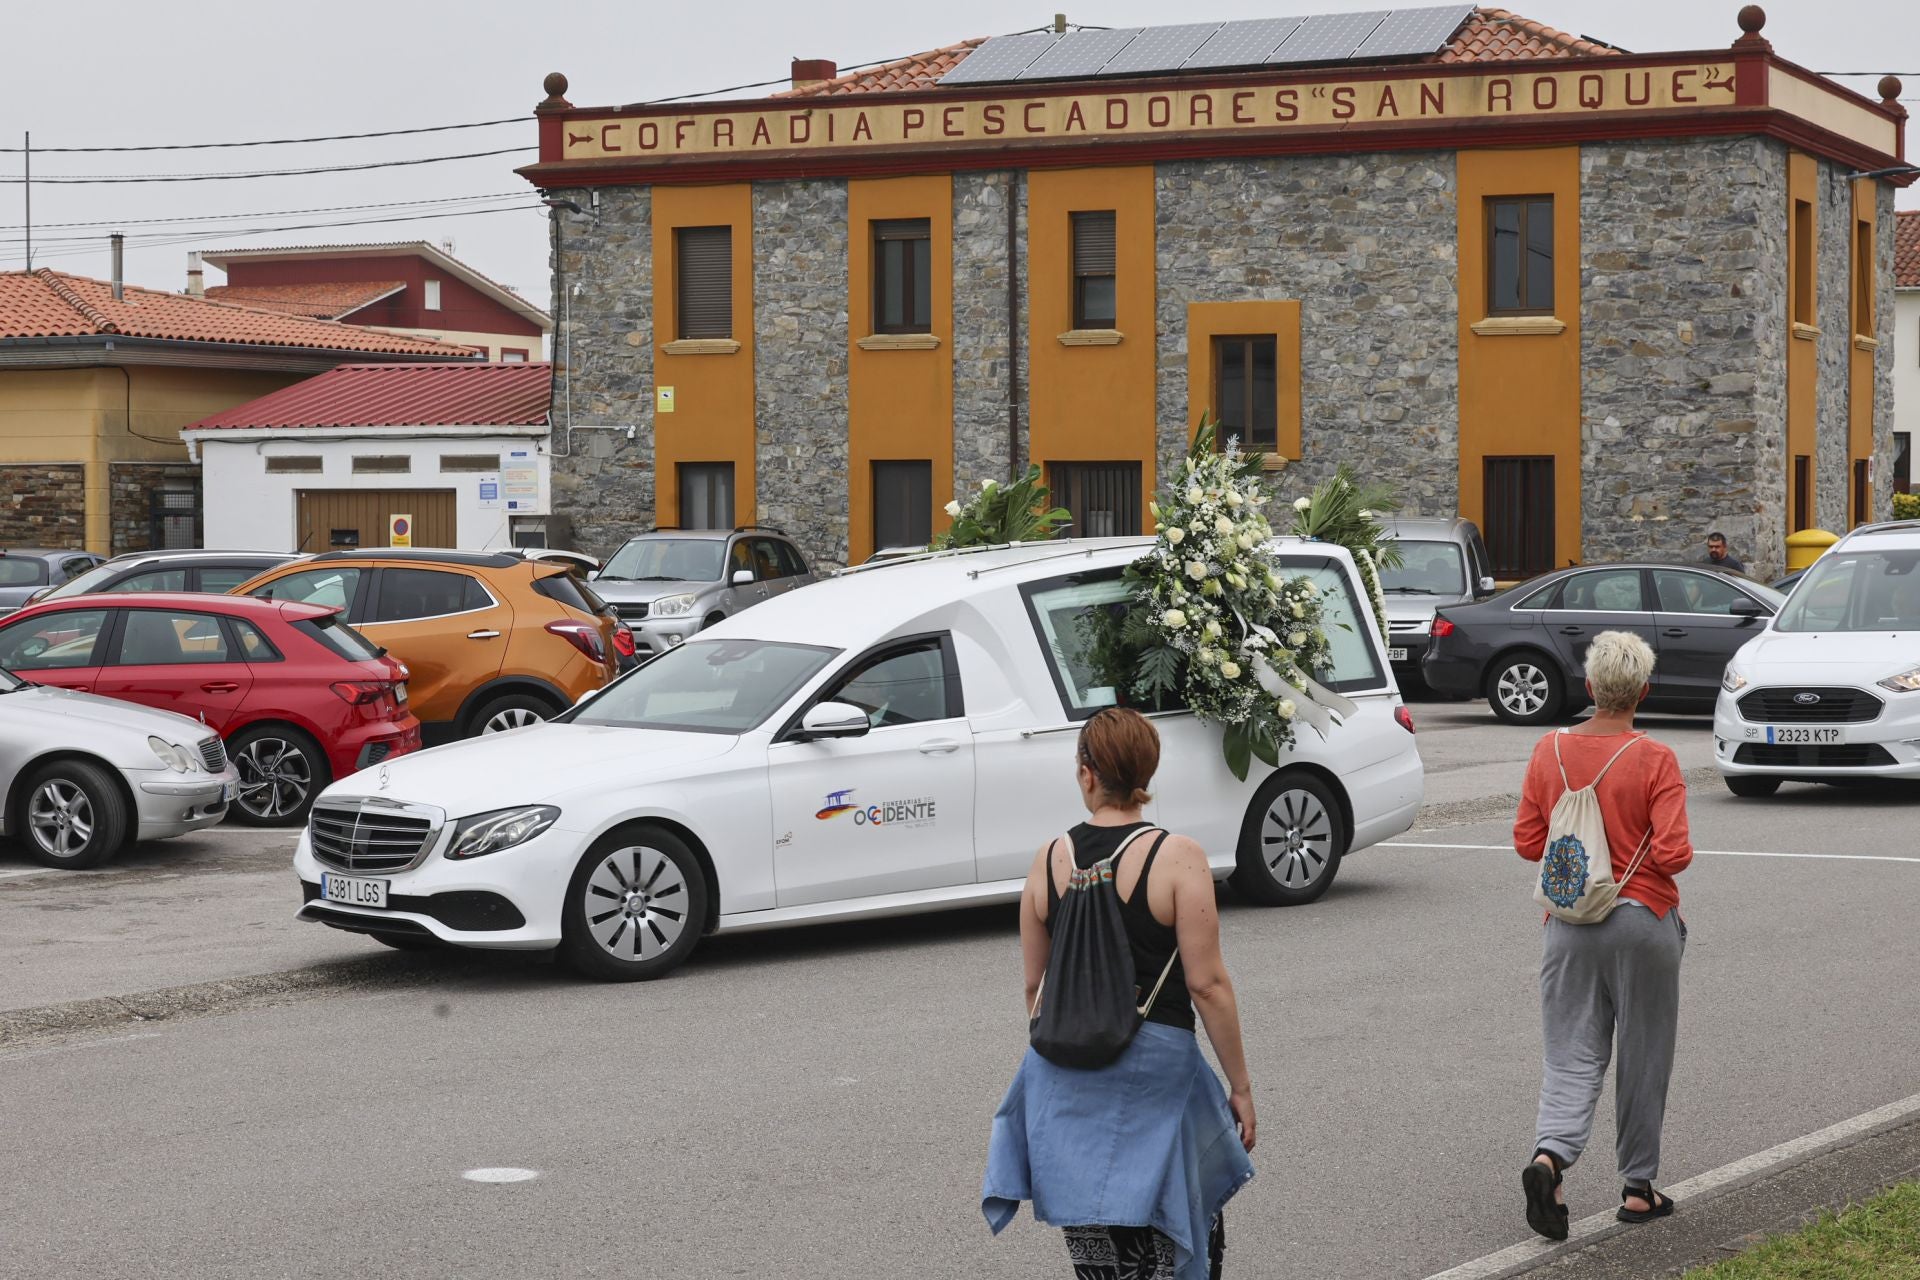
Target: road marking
1709, 853
1532, 1253
82, 1044
501, 1175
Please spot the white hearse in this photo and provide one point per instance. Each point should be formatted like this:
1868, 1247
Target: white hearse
897, 739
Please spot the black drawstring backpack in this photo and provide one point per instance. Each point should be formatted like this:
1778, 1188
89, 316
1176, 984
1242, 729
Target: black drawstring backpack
1090, 1015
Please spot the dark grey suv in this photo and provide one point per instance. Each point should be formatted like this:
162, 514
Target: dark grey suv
669, 583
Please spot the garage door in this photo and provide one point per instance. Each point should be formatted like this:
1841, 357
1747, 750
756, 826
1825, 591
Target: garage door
343, 519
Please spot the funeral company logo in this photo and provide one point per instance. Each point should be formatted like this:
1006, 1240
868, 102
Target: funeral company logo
920, 812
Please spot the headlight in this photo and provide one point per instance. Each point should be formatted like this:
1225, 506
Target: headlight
1905, 682
500, 829
1732, 681
174, 757
672, 606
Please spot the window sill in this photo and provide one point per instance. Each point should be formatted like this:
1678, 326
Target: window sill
701, 347
898, 342
1091, 338
1273, 462
1517, 326
1805, 332
1865, 343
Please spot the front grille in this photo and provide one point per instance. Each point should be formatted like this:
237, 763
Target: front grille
1845, 755
369, 835
213, 754
469, 910
631, 611
1837, 705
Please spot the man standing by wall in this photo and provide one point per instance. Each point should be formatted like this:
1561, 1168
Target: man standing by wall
1719, 557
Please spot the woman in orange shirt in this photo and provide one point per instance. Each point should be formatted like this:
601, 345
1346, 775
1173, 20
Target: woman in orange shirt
1618, 978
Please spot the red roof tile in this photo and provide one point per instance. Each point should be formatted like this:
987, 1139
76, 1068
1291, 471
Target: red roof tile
401, 395
321, 301
1906, 249
1489, 35
44, 304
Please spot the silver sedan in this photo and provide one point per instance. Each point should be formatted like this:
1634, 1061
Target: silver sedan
82, 777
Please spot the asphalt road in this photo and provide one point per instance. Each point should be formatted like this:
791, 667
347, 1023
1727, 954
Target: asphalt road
816, 1102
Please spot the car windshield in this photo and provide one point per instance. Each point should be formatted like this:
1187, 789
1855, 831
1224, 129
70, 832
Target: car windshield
708, 686
666, 560
1856, 591
1427, 569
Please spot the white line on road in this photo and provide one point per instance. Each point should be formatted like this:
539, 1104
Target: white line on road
1709, 853
1583, 1232
501, 1175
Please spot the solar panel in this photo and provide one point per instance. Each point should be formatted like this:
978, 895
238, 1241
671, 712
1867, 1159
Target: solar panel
1001, 58
1411, 31
1242, 44
1079, 53
1160, 49
1327, 37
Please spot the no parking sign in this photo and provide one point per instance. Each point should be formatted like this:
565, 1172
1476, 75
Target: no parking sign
400, 530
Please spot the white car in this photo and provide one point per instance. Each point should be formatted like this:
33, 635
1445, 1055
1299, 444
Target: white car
1831, 689
897, 739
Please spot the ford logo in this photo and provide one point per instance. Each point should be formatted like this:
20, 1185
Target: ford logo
1806, 699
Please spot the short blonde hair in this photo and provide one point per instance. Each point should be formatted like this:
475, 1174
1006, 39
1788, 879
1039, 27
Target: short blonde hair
1619, 665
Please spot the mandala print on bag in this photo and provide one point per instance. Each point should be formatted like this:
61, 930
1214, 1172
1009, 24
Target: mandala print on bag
1563, 873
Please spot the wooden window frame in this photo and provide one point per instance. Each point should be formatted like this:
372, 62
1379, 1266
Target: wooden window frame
1080, 273
1520, 277
1803, 247
875, 489
1863, 299
910, 231
1247, 443
683, 329
1800, 496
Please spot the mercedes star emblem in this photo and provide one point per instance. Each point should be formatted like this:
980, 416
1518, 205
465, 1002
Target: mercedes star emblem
383, 777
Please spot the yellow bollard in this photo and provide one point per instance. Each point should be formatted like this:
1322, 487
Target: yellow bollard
1806, 546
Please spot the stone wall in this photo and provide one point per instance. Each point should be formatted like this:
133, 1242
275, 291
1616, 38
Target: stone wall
1682, 360
133, 485
800, 363
1891, 342
43, 505
1367, 246
601, 480
981, 339
1833, 303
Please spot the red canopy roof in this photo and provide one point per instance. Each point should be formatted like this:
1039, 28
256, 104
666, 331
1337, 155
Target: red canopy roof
401, 395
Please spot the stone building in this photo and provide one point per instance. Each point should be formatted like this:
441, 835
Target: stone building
1598, 302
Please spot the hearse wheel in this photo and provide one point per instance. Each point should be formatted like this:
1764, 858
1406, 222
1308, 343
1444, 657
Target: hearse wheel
636, 906
1290, 842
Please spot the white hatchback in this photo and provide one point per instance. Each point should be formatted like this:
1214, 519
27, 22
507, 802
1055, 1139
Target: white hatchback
1831, 689
897, 739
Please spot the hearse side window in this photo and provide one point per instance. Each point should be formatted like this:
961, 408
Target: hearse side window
1355, 662
1063, 611
917, 683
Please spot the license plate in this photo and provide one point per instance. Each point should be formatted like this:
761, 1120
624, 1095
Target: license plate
1802, 737
1396, 655
400, 693
227, 790
355, 891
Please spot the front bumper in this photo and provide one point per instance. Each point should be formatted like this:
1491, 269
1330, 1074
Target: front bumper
168, 804
1887, 746
653, 636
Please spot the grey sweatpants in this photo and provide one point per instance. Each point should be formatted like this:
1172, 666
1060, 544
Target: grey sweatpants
1621, 976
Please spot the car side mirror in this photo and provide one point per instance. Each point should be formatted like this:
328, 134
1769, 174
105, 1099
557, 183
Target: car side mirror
833, 720
742, 577
1488, 586
592, 574
1748, 609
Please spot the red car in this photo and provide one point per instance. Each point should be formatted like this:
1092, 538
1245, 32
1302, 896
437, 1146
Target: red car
300, 697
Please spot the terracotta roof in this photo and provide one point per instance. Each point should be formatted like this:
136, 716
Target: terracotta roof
1489, 35
50, 304
401, 395
1906, 249
321, 301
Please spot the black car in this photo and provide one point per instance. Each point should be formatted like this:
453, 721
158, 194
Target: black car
215, 572
1525, 649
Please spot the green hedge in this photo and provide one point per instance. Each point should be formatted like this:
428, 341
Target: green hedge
1906, 506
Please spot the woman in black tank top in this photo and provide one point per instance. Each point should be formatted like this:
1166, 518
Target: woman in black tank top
1153, 943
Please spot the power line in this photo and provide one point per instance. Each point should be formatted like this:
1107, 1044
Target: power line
280, 142
80, 246
266, 213
79, 179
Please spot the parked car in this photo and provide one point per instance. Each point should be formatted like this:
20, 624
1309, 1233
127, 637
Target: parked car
668, 584
492, 641
897, 739
299, 697
27, 571
1525, 649
581, 567
215, 571
1443, 561
1785, 585
1830, 689
82, 777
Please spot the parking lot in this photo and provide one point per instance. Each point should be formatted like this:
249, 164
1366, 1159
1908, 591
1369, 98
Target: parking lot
255, 1096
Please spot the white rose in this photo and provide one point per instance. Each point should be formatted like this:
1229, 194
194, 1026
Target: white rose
1299, 610
1366, 515
1196, 570
1307, 585
1174, 619
1286, 708
1244, 542
1301, 504
953, 508
1206, 657
1222, 525
1212, 630
1231, 670
1233, 498
1194, 496
1176, 535
1298, 639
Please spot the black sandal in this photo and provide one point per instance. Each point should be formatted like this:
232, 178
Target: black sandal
1662, 1205
1547, 1216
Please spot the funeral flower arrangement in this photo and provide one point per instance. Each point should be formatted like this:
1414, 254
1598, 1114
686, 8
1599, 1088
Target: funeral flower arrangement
998, 514
1345, 512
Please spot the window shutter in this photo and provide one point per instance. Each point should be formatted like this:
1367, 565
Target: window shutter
705, 297
1093, 240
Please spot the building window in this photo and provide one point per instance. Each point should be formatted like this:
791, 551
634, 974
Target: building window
305, 462
1863, 278
1903, 462
1093, 271
1519, 515
1803, 263
1860, 495
432, 302
703, 280
902, 504
513, 355
706, 495
469, 462
1520, 256
382, 464
1246, 391
1104, 497
903, 276
1802, 514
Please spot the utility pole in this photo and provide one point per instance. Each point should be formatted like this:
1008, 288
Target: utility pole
26, 150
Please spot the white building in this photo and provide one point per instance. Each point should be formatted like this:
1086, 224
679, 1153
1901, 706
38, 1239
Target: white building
381, 455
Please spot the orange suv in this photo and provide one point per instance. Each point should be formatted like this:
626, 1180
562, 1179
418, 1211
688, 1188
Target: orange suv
491, 640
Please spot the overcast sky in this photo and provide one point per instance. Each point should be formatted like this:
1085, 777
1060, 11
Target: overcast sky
120, 73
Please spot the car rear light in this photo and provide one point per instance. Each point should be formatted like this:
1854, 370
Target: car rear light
1442, 626
623, 642
1403, 718
362, 693
583, 636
